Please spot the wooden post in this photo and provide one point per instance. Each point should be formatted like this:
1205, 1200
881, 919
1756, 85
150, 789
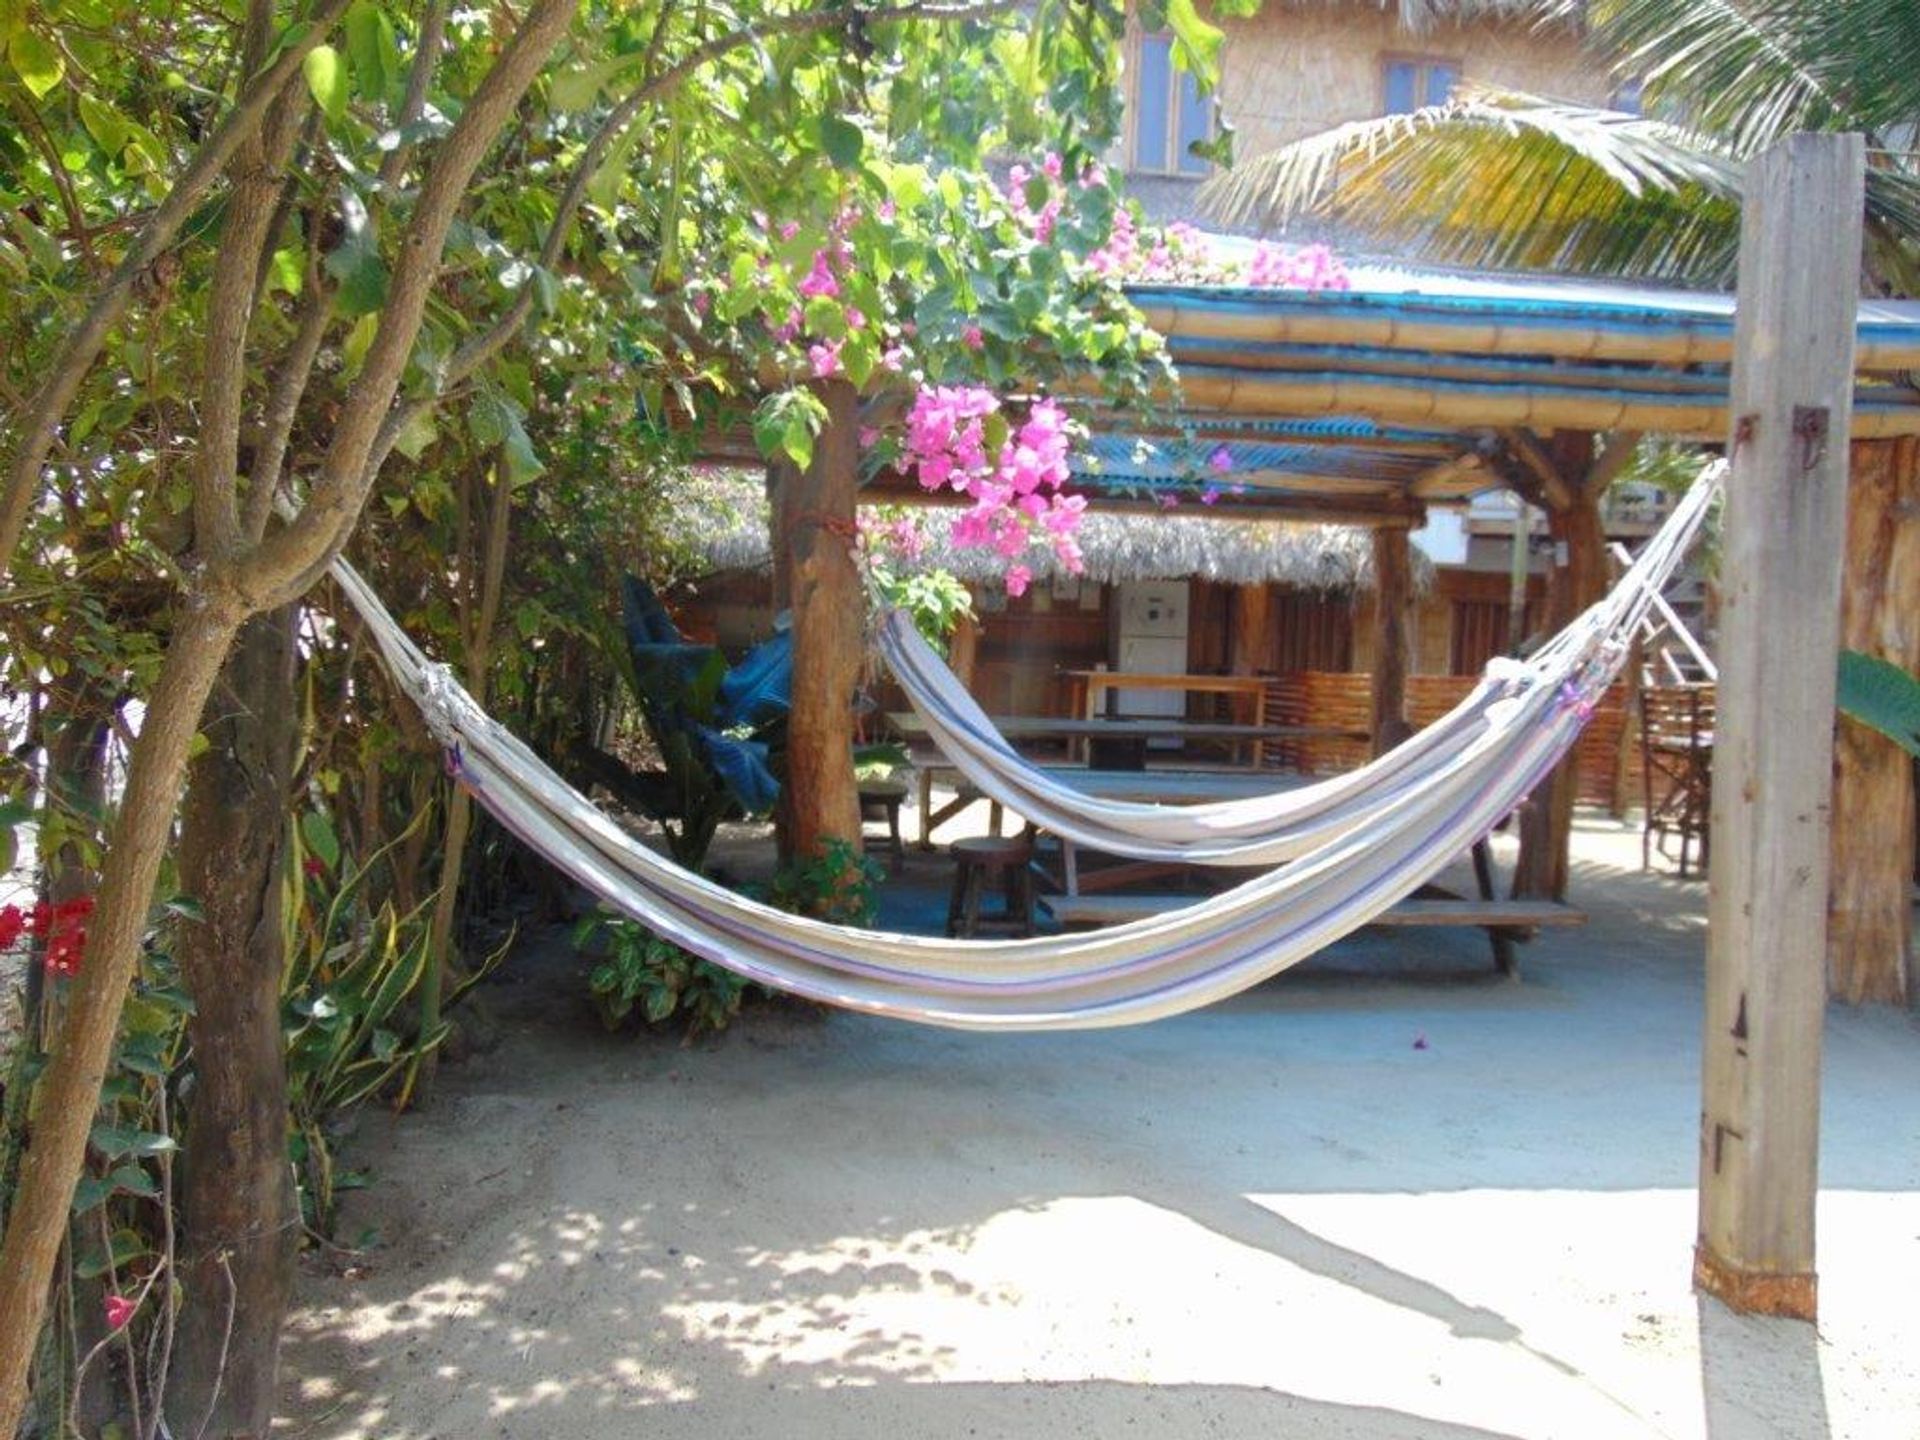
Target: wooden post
1544, 866
1870, 915
1792, 387
823, 797
1393, 634
1251, 634
963, 649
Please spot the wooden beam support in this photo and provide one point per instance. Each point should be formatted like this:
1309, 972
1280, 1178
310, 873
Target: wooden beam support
1579, 578
1780, 627
1251, 633
1554, 489
823, 798
1393, 636
1870, 917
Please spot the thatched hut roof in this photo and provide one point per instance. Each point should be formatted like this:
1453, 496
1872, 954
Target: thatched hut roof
722, 523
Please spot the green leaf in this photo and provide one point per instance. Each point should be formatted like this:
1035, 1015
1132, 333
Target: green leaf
416, 435
843, 141
36, 62
373, 51
326, 74
356, 261
114, 1141
1881, 695
317, 831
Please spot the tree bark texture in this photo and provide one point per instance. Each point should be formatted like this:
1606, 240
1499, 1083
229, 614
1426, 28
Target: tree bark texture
1546, 822
827, 637
77, 1065
237, 1193
1869, 932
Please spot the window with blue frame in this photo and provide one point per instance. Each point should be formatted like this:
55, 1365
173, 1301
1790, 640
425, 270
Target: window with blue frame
1413, 82
1169, 113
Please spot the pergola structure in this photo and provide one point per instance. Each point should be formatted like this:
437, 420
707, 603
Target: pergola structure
1365, 406
1415, 388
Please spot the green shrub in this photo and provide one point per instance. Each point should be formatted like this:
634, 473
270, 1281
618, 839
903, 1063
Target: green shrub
644, 972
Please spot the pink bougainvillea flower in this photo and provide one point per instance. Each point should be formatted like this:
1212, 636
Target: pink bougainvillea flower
894, 358
1209, 496
788, 229
13, 924
1018, 578
1220, 460
972, 338
120, 1310
869, 437
855, 319
820, 279
824, 359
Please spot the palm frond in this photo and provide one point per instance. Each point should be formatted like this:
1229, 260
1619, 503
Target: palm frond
1501, 180
1756, 70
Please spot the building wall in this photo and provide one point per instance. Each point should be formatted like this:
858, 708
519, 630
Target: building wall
1294, 70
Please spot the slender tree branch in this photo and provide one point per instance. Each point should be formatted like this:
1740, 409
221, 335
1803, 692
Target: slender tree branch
323, 525
283, 407
40, 423
426, 54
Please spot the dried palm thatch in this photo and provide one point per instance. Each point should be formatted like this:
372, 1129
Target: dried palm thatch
722, 523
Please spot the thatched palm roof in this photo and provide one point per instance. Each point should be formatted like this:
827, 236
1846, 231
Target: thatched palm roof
722, 523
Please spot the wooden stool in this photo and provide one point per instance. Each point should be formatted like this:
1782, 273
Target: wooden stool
880, 800
975, 863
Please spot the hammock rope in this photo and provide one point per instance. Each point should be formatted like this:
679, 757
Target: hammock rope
1453, 794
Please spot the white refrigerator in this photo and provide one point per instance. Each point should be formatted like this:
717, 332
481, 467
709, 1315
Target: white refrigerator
1152, 640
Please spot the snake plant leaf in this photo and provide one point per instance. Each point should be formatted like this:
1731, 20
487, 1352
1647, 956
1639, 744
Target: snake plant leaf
1881, 695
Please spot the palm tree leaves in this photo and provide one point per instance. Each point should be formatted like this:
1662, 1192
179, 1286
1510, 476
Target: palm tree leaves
1753, 71
1502, 180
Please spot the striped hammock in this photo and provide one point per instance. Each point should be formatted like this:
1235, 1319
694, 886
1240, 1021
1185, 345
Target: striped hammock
1265, 829
1523, 719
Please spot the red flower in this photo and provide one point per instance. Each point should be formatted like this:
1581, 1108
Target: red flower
119, 1311
13, 924
64, 927
313, 869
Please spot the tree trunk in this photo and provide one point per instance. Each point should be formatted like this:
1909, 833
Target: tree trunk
1869, 931
77, 1066
1393, 635
237, 1194
827, 612
1579, 579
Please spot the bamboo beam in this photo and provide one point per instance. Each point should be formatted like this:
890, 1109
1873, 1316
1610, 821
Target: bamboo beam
1767, 906
1463, 328
828, 610
1393, 636
1409, 400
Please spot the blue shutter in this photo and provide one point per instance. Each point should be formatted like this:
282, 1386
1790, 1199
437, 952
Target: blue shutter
1196, 123
1440, 82
1152, 117
1402, 91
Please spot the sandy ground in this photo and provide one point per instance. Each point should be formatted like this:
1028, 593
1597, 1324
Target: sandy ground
1390, 1195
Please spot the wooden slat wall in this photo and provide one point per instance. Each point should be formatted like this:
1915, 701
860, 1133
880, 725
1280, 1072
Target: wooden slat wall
1345, 700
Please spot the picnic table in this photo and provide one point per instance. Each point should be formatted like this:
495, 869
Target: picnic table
1091, 686
1134, 727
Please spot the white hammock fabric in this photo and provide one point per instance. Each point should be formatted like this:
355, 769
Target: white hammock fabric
1152, 968
1253, 831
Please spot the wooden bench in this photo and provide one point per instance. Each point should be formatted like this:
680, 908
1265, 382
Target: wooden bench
1505, 921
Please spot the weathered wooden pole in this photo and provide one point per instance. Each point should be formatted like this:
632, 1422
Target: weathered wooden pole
1870, 917
963, 649
1792, 389
1393, 634
1579, 578
823, 797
